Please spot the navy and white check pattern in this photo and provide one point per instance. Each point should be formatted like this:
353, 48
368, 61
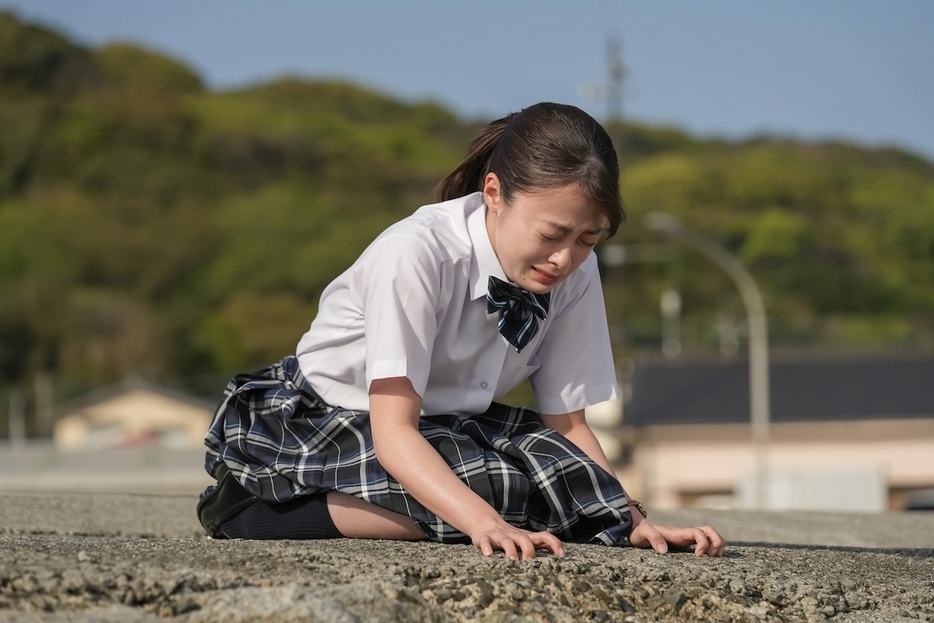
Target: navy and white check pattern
281, 441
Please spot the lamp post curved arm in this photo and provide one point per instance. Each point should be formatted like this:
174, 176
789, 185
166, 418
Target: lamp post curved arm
759, 404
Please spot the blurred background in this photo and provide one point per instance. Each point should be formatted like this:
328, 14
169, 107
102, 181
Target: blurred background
178, 183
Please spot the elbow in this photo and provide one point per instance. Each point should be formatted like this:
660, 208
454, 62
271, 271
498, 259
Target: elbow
567, 423
390, 450
382, 452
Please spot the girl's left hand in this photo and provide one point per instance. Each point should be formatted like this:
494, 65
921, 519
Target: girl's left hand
706, 540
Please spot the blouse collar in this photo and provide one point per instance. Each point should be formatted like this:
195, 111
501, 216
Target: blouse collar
483, 260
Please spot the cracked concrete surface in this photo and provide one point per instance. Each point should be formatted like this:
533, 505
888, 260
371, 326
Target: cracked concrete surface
117, 557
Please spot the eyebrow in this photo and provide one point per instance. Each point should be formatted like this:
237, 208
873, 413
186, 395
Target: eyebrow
567, 229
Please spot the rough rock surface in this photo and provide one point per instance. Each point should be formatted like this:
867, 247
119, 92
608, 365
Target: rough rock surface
87, 557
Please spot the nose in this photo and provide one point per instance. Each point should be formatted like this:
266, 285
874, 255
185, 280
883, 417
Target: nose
561, 258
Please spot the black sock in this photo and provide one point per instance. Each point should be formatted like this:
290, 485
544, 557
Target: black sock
305, 517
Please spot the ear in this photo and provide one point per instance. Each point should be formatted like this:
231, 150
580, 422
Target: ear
492, 194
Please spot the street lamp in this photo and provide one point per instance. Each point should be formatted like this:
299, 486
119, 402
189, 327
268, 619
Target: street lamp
758, 335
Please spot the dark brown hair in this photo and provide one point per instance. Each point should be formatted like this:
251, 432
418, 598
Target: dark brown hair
542, 147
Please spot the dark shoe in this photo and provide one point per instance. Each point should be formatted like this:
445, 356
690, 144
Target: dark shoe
223, 501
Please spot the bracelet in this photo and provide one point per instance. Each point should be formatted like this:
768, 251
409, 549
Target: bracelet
639, 507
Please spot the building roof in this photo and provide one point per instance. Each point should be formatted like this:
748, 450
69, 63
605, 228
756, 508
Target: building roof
128, 385
132, 413
816, 388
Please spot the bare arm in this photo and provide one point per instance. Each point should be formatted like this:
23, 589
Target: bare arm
409, 458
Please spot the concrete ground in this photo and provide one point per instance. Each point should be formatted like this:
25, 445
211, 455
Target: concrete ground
81, 557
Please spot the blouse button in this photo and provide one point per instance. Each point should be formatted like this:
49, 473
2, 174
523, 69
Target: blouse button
484, 384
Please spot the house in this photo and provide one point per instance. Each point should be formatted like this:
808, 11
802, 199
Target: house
130, 414
847, 432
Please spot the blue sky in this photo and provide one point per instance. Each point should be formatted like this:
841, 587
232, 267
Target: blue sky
857, 70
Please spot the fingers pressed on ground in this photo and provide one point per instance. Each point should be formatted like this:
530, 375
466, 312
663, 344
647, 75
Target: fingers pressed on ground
702, 543
509, 548
658, 542
519, 544
485, 546
550, 542
527, 546
717, 543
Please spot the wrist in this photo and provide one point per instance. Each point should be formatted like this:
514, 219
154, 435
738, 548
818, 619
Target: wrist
637, 505
481, 520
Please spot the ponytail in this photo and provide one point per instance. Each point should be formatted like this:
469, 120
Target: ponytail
468, 176
545, 146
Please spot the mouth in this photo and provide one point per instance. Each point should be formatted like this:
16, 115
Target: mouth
545, 278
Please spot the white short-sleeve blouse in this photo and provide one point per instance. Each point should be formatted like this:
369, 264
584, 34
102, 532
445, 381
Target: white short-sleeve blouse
414, 305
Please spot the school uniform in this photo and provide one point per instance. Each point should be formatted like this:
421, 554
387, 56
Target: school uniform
414, 304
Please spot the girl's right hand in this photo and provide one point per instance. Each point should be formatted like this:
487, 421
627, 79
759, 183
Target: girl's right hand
406, 455
516, 543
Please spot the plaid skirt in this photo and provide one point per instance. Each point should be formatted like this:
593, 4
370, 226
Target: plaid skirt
281, 440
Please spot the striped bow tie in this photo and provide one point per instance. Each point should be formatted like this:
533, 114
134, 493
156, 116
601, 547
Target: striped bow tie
517, 309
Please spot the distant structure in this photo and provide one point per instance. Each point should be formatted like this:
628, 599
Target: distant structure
134, 413
135, 437
850, 432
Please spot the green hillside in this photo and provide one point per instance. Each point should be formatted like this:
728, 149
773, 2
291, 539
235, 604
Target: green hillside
150, 226
840, 240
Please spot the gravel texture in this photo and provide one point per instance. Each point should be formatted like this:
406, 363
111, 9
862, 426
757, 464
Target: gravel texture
126, 558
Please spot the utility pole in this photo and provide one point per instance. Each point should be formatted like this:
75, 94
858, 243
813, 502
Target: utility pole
759, 401
613, 254
17, 420
614, 92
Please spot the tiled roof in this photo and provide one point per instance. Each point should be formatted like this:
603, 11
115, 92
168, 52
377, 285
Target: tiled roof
105, 394
806, 388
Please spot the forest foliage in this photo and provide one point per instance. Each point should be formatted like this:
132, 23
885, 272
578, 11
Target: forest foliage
149, 226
